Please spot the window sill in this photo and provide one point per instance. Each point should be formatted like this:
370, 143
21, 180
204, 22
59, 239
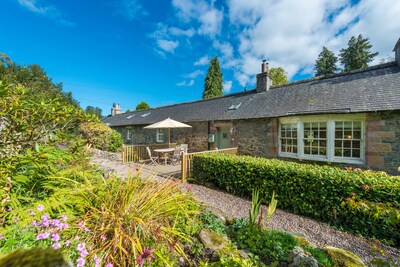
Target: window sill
335, 160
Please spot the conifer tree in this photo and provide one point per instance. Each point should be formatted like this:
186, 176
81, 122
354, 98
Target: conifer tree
358, 53
326, 63
213, 82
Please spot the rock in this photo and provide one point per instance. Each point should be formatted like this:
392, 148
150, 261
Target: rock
211, 240
343, 258
303, 241
298, 258
243, 253
217, 213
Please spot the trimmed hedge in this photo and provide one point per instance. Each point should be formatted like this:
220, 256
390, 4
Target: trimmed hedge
363, 202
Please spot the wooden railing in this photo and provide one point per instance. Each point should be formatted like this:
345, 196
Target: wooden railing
187, 160
138, 153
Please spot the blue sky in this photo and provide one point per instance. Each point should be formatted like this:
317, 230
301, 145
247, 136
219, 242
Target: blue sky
128, 51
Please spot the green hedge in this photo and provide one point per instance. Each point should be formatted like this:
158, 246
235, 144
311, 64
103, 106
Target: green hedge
363, 202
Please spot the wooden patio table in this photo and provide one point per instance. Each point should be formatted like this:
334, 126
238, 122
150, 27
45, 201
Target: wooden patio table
164, 151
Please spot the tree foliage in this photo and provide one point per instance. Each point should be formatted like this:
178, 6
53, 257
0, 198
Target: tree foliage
278, 75
358, 53
326, 63
95, 111
142, 106
213, 84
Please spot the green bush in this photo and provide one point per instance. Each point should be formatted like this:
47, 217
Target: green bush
321, 192
97, 134
115, 142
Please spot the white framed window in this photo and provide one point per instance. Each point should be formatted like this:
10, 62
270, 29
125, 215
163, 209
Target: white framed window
160, 136
333, 138
128, 133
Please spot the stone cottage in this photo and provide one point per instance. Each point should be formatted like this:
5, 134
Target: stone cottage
351, 118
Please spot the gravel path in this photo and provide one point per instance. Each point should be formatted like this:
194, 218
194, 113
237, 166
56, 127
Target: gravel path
235, 207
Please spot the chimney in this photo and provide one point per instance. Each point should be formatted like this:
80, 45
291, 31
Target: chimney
264, 81
116, 109
396, 50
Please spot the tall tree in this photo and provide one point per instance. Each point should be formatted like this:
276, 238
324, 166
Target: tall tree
213, 82
326, 63
142, 106
278, 75
95, 111
358, 53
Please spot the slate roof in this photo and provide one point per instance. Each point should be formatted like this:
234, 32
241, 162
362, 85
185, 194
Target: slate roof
375, 88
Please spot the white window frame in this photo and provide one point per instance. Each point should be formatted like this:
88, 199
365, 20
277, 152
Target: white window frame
129, 133
160, 136
330, 135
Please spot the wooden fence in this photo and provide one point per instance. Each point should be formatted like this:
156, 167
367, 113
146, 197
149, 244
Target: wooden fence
187, 160
138, 153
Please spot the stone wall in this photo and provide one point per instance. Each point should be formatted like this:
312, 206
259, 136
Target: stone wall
257, 137
383, 141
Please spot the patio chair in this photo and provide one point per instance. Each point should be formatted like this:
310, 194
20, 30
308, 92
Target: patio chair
184, 148
153, 160
176, 157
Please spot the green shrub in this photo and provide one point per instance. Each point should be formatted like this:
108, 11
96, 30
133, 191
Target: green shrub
320, 192
97, 134
115, 142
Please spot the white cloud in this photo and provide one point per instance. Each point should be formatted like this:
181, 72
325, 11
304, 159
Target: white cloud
193, 74
205, 13
131, 9
225, 48
180, 32
202, 61
47, 11
227, 86
167, 45
186, 83
291, 33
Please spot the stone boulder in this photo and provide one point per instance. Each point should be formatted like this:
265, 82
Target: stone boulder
343, 258
217, 213
211, 240
298, 258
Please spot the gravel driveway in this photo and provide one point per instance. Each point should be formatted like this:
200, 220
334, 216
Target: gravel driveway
236, 207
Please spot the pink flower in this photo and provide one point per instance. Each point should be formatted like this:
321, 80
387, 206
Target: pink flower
82, 224
80, 247
76, 237
34, 223
67, 243
97, 261
147, 255
40, 207
55, 237
64, 218
1, 236
109, 265
84, 253
103, 237
87, 230
80, 262
31, 212
56, 245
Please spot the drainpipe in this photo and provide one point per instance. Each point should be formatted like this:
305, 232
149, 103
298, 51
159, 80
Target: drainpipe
209, 132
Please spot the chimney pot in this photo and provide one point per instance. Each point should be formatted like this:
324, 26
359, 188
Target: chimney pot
264, 81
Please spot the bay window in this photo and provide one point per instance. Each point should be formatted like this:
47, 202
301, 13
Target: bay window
334, 138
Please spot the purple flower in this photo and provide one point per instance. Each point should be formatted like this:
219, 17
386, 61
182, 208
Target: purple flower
147, 255
80, 247
42, 236
103, 237
82, 224
46, 235
1, 236
31, 212
109, 265
55, 237
76, 237
56, 223
40, 207
87, 230
97, 261
56, 245
64, 218
80, 262
67, 243
84, 253
34, 223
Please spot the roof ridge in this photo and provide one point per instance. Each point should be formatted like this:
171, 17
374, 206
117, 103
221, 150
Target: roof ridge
336, 75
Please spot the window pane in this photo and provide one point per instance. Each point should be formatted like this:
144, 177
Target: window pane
356, 144
322, 134
357, 125
288, 138
338, 152
346, 152
347, 144
356, 153
357, 134
338, 143
339, 134
348, 125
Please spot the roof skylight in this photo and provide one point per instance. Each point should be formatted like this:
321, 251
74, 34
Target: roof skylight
130, 116
234, 106
145, 115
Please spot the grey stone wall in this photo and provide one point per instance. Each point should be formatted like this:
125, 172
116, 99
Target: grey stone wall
257, 137
383, 141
